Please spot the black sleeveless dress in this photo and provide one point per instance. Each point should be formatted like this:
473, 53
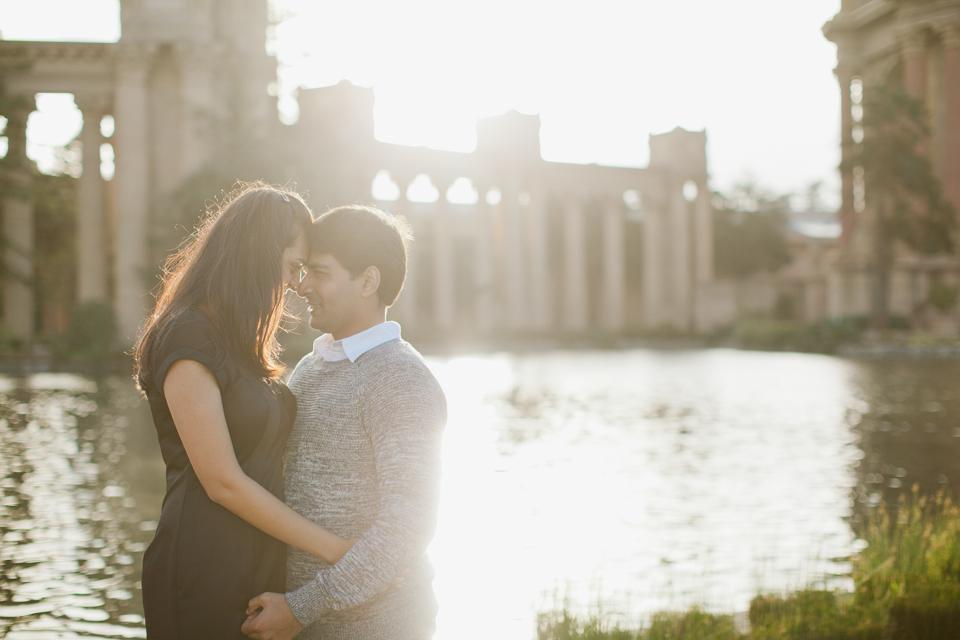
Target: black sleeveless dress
205, 563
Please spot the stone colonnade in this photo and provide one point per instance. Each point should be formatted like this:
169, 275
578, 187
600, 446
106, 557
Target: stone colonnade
529, 267
19, 294
17, 227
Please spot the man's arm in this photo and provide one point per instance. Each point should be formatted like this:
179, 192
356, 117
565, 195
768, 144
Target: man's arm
404, 411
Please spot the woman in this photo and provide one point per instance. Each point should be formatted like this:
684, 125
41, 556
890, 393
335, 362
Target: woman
207, 360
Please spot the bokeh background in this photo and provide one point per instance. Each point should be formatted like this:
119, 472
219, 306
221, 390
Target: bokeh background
686, 272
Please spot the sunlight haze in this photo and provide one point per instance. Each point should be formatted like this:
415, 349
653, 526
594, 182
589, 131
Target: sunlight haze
602, 75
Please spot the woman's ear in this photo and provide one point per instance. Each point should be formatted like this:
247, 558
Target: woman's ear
371, 282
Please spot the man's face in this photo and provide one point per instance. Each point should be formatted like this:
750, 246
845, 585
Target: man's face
331, 292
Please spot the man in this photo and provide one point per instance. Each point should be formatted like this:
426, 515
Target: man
363, 458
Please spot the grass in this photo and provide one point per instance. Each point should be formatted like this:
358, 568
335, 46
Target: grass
906, 587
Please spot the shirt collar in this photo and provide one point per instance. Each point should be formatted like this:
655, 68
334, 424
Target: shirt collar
354, 346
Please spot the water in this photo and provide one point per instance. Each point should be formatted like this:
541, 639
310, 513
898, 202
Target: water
638, 479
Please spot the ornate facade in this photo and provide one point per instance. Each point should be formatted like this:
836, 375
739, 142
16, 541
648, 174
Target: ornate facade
543, 247
914, 44
182, 71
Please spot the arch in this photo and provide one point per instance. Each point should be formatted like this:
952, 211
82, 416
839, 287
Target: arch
633, 199
462, 191
422, 189
384, 188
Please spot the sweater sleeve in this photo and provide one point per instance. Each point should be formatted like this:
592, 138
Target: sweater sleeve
403, 410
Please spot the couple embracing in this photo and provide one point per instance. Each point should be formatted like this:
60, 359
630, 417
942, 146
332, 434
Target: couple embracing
290, 510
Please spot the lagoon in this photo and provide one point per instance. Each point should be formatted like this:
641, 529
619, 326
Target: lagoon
631, 481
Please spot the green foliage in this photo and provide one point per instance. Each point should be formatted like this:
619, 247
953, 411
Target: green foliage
942, 297
930, 612
812, 614
911, 548
899, 177
562, 626
907, 587
905, 195
750, 231
824, 336
55, 251
93, 330
694, 624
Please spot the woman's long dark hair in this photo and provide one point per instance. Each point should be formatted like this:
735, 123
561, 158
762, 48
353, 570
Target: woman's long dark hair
231, 269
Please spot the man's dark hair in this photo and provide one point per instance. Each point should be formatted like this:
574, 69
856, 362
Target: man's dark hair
360, 237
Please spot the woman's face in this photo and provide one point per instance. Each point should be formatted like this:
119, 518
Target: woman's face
294, 257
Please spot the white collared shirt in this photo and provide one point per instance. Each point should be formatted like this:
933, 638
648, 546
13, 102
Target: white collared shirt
354, 346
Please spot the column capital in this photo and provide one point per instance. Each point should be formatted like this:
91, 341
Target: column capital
96, 104
913, 43
133, 59
950, 35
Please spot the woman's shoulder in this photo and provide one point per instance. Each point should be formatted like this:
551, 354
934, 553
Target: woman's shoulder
189, 335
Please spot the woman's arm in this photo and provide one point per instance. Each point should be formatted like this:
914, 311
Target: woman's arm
197, 408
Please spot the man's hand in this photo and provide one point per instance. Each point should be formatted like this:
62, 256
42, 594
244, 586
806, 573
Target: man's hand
269, 618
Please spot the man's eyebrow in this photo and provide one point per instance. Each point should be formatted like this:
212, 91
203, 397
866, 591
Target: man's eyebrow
318, 265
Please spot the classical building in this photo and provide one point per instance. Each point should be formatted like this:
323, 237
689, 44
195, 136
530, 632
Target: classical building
183, 72
508, 241
505, 241
913, 44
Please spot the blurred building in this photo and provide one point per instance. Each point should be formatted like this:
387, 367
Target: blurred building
506, 241
915, 46
185, 74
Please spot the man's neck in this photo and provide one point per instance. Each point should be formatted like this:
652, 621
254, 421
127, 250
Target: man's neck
361, 324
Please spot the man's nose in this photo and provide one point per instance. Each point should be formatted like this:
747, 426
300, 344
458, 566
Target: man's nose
301, 287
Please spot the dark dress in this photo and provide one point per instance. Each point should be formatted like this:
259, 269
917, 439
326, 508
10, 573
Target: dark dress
205, 563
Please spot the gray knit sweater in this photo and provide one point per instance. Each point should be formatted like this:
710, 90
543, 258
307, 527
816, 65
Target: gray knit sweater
363, 460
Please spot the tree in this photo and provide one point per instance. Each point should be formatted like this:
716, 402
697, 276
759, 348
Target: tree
904, 193
750, 231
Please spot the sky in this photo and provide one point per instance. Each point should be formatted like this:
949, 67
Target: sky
603, 74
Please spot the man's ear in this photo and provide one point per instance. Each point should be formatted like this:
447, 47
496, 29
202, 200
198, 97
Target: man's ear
371, 282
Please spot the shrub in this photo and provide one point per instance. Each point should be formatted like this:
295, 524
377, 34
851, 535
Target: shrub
813, 614
942, 297
694, 624
93, 330
562, 626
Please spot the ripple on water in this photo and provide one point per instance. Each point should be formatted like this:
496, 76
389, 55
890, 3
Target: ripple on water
69, 524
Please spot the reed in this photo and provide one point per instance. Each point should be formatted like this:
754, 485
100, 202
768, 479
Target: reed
906, 587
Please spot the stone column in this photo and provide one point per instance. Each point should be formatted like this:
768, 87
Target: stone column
950, 37
575, 268
915, 64
847, 213
680, 259
443, 262
483, 273
703, 258
133, 190
197, 114
406, 305
515, 273
613, 266
537, 250
91, 221
653, 272
703, 234
915, 71
18, 231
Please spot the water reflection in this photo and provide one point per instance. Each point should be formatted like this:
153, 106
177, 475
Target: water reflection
72, 533
643, 479
908, 430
